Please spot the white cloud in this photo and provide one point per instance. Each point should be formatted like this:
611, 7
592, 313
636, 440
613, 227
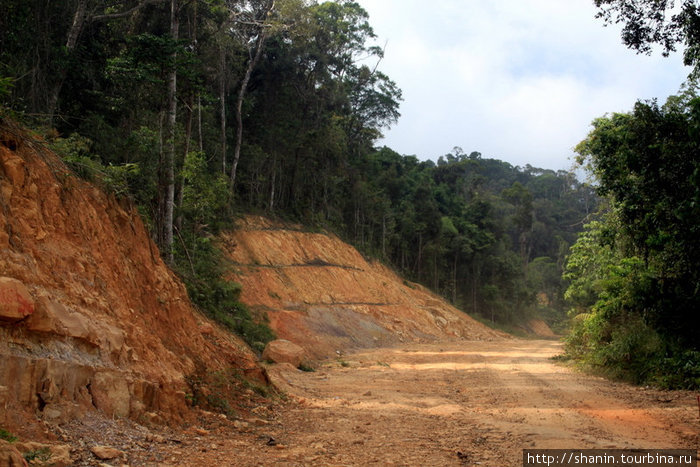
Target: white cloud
518, 80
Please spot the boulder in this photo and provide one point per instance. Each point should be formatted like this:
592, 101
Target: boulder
106, 452
284, 351
15, 301
55, 318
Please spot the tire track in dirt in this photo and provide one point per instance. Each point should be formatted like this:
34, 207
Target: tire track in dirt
457, 403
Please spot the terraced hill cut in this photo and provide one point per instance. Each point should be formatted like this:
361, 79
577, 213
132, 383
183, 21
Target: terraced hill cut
322, 294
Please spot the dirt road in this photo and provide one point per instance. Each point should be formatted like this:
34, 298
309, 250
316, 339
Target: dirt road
468, 403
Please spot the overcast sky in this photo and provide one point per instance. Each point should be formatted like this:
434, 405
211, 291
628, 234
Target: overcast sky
517, 80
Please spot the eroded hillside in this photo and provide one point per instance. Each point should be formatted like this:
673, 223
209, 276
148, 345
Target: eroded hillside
322, 294
92, 318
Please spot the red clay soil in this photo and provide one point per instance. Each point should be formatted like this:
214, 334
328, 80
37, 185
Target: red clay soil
112, 326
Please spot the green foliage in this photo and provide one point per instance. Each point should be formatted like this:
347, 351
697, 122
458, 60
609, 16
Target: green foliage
607, 332
38, 455
648, 162
75, 152
7, 436
205, 195
646, 23
306, 368
5, 86
218, 298
679, 368
201, 263
633, 275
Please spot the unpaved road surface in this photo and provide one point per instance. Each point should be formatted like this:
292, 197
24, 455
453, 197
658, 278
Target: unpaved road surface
466, 403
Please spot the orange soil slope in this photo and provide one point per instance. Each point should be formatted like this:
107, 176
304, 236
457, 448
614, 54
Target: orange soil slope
323, 295
112, 327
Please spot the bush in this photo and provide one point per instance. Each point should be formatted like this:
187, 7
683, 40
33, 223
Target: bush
627, 348
7, 436
220, 390
75, 152
218, 297
680, 369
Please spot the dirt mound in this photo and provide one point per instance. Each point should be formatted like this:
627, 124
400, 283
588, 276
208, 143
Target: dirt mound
320, 293
109, 326
540, 328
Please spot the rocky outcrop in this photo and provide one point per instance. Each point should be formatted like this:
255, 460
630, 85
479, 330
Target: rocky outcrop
323, 295
283, 351
15, 301
90, 317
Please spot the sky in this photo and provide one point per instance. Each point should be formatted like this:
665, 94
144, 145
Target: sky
516, 80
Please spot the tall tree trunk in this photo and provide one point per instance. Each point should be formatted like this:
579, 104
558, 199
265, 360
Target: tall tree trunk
454, 280
167, 184
180, 192
199, 122
181, 185
272, 187
384, 236
436, 273
419, 260
262, 36
157, 233
77, 26
72, 39
222, 104
473, 295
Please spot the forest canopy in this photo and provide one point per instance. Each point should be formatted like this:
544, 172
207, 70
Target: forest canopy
635, 282
201, 109
633, 273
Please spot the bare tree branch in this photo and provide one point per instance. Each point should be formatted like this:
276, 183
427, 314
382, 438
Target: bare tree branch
124, 13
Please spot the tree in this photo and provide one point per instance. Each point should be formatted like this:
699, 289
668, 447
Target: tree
521, 198
252, 18
85, 13
166, 177
647, 163
655, 22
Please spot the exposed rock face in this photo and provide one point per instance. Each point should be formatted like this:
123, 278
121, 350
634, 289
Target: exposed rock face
321, 294
283, 351
91, 316
15, 301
